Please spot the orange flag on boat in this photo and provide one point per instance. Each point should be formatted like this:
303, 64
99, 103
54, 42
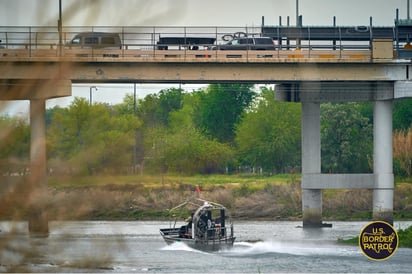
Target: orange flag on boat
197, 189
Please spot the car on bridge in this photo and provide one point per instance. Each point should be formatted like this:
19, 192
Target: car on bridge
86, 44
104, 40
248, 43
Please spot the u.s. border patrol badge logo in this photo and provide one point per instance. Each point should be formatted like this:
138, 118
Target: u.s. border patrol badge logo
378, 240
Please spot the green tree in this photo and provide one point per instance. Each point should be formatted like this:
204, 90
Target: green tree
185, 150
127, 106
92, 138
70, 129
402, 114
189, 151
147, 110
269, 134
169, 100
14, 145
346, 139
183, 118
220, 108
154, 109
182, 148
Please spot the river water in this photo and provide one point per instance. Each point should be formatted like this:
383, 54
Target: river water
260, 247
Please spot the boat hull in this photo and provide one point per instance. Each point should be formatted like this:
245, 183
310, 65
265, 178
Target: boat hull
199, 244
208, 245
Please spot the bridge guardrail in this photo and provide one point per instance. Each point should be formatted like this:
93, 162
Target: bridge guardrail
141, 44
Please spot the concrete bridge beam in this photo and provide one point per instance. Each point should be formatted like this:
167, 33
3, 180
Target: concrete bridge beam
28, 89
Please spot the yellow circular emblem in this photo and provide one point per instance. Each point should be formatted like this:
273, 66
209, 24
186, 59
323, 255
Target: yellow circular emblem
378, 240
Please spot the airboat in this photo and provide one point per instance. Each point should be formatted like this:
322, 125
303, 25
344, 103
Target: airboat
208, 228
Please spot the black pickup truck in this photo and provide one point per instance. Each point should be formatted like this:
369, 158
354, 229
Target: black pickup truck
192, 43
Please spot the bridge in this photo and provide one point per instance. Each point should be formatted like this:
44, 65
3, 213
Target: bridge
309, 65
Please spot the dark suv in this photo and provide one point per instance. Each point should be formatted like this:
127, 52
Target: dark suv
249, 43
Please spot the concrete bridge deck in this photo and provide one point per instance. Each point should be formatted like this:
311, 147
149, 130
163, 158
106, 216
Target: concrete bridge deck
196, 56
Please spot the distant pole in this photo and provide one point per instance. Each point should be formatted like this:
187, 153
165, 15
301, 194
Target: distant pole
90, 98
334, 25
297, 12
134, 100
298, 24
408, 11
59, 27
135, 133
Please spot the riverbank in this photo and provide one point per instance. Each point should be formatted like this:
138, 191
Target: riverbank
149, 197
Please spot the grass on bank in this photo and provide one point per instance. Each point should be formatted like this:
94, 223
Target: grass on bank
171, 181
247, 196
281, 191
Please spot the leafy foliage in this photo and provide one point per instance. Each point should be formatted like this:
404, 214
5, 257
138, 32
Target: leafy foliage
185, 151
14, 145
405, 237
269, 134
346, 138
15, 138
180, 147
220, 108
154, 109
90, 138
402, 114
209, 130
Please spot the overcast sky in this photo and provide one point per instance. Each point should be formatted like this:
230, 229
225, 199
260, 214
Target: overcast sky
196, 12
184, 13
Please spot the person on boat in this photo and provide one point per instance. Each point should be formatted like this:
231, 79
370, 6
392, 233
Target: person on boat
209, 224
185, 231
189, 221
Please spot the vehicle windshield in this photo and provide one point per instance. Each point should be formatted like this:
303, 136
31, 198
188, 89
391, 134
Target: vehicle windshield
76, 40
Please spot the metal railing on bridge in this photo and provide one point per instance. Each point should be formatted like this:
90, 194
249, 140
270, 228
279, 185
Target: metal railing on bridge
189, 44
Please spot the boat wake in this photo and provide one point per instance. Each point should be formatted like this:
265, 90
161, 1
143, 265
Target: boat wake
179, 246
299, 249
269, 247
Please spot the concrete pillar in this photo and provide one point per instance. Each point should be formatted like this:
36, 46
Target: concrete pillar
311, 198
382, 162
38, 221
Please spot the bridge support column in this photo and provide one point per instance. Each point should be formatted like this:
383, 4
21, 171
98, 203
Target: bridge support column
37, 91
38, 221
382, 162
311, 198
